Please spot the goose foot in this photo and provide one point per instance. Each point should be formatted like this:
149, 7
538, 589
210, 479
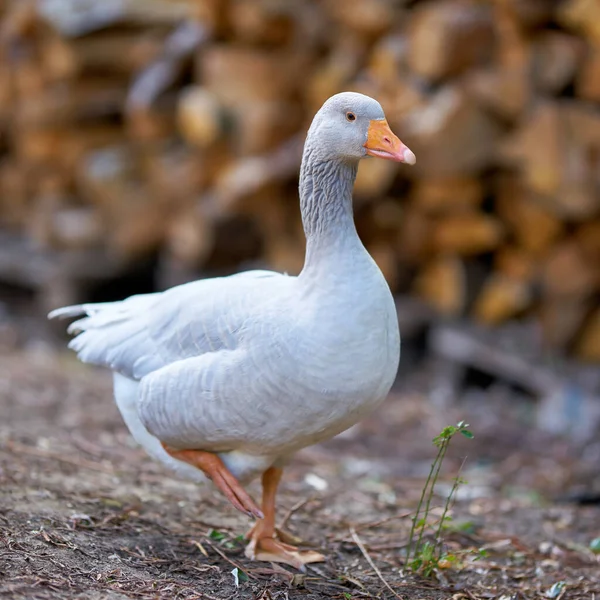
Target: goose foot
273, 550
270, 544
280, 534
212, 466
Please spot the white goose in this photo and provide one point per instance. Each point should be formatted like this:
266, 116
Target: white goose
229, 377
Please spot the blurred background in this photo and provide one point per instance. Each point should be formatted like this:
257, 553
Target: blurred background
145, 143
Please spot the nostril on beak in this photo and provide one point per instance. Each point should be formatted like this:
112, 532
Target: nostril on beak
387, 140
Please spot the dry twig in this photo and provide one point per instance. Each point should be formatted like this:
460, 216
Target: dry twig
231, 562
292, 510
368, 558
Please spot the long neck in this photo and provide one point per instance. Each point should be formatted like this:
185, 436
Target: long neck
326, 205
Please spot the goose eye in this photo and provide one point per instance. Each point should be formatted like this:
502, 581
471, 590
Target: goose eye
350, 116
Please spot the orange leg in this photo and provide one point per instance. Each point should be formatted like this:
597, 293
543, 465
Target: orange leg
264, 543
212, 466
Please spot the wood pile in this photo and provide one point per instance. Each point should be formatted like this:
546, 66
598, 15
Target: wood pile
173, 128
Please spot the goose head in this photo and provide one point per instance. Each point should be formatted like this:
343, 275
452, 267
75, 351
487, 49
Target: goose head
351, 126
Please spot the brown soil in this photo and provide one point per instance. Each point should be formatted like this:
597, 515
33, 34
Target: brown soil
85, 514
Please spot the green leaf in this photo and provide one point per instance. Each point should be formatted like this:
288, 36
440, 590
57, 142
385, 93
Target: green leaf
595, 545
427, 551
480, 553
238, 575
213, 534
448, 432
468, 434
450, 557
347, 595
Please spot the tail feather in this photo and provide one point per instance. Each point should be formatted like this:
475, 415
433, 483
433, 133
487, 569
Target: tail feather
111, 333
88, 311
66, 312
76, 310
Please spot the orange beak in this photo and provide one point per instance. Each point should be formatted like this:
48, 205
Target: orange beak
382, 142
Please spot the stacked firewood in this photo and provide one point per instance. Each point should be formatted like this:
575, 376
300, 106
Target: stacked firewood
174, 128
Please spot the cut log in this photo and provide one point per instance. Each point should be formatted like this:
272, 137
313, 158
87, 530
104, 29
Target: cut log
332, 74
442, 284
515, 263
556, 58
582, 16
505, 91
506, 87
467, 234
139, 228
369, 19
559, 158
388, 58
447, 37
79, 17
402, 97
167, 68
567, 272
530, 13
253, 86
534, 227
284, 254
588, 346
175, 175
414, 237
238, 75
57, 60
588, 239
248, 175
104, 176
107, 52
200, 117
388, 214
537, 148
583, 123
451, 135
447, 195
374, 178
385, 256
588, 80
190, 238
263, 22
501, 298
75, 228
76, 102
15, 190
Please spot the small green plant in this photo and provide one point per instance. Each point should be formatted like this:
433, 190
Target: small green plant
216, 535
239, 576
425, 556
223, 539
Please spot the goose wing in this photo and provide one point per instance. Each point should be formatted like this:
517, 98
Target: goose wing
147, 332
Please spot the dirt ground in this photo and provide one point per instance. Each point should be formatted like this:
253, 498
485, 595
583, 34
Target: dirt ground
85, 514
